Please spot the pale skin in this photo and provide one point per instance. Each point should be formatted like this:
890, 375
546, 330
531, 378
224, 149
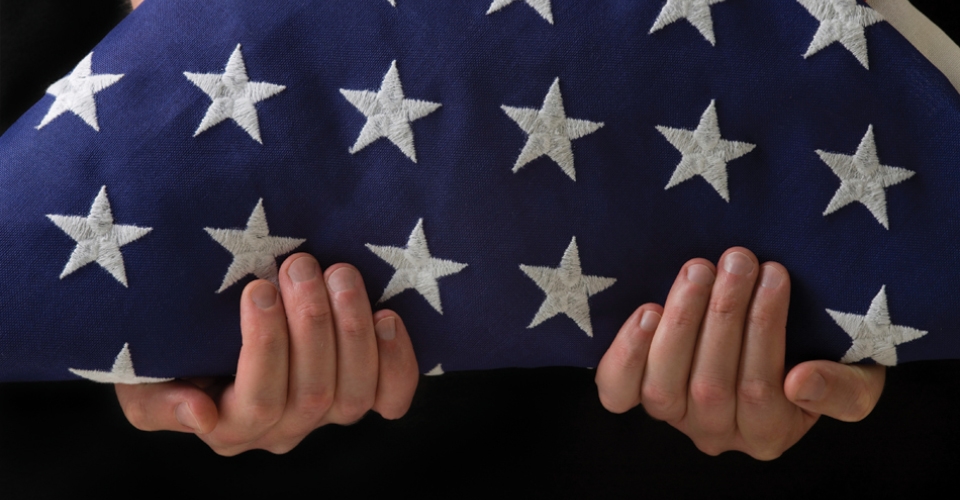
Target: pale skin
312, 354
710, 362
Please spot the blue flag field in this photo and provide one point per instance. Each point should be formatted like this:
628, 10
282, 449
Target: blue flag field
513, 177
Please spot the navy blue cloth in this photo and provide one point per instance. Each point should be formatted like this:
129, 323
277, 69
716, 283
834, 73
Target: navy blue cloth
475, 209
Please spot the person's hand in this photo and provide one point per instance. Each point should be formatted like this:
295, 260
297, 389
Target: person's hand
711, 363
313, 354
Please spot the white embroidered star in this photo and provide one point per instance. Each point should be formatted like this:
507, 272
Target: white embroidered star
75, 92
567, 289
98, 238
874, 335
121, 372
393, 2
435, 371
388, 113
233, 96
416, 268
541, 6
254, 250
704, 152
841, 21
863, 178
697, 12
549, 131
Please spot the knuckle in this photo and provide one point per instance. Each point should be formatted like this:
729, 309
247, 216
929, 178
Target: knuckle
860, 405
724, 305
710, 392
263, 415
353, 409
627, 356
282, 447
757, 392
227, 451
314, 312
661, 404
761, 319
270, 341
228, 447
136, 412
710, 447
766, 443
315, 402
685, 321
617, 405
355, 328
766, 455
393, 411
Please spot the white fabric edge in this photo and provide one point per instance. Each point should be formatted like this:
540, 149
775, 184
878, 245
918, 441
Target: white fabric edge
926, 36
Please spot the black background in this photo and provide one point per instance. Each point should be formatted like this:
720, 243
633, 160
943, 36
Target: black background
506, 433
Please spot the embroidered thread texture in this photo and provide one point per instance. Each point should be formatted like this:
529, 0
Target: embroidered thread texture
567, 289
541, 6
121, 372
415, 268
549, 131
841, 21
705, 152
233, 96
388, 113
697, 12
874, 335
98, 238
863, 178
254, 250
75, 92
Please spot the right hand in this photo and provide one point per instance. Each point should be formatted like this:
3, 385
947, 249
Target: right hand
313, 354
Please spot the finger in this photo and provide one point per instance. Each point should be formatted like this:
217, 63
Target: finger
357, 358
768, 422
256, 400
398, 373
620, 372
844, 392
313, 348
171, 406
665, 377
713, 376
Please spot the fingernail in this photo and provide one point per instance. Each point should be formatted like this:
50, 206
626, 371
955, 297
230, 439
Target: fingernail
770, 277
700, 274
649, 321
386, 328
342, 279
737, 263
186, 417
813, 388
264, 295
302, 269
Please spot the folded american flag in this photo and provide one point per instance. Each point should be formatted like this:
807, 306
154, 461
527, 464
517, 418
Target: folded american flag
513, 177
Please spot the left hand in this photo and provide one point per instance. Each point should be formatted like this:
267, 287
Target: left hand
711, 363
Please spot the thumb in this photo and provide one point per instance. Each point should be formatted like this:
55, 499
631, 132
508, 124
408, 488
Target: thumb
844, 392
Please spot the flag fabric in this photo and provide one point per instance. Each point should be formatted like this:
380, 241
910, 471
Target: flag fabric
513, 177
